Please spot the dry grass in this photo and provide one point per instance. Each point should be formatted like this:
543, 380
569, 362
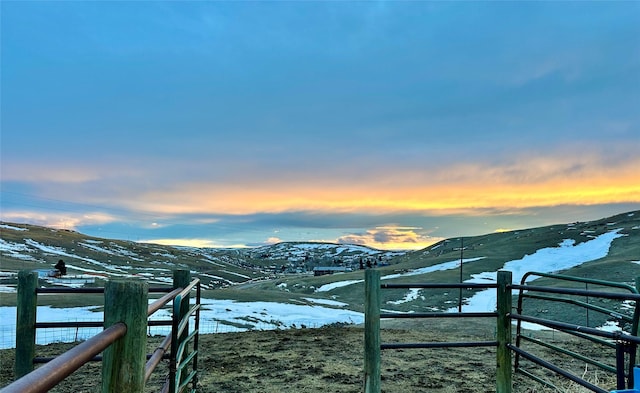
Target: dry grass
331, 360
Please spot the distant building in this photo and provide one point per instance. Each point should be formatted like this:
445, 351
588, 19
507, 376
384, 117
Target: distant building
322, 270
44, 273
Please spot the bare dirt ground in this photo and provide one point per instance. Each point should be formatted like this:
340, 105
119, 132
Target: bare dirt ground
331, 360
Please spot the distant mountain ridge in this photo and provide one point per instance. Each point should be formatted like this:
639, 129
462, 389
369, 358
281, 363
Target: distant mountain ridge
24, 246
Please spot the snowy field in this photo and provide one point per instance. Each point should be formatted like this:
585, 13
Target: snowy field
216, 316
545, 260
219, 316
439, 267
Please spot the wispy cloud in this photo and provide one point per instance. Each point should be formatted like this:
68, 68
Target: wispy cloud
200, 243
391, 237
58, 220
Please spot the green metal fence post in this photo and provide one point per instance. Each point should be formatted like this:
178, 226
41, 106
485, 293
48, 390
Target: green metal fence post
503, 353
26, 322
124, 361
372, 331
635, 349
181, 279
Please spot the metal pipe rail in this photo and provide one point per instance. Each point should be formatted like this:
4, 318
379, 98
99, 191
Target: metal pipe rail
52, 373
159, 353
181, 337
126, 304
462, 285
579, 279
153, 307
582, 304
439, 315
426, 315
555, 369
579, 292
89, 324
176, 296
373, 346
156, 357
439, 345
158, 304
573, 354
93, 290
619, 336
613, 340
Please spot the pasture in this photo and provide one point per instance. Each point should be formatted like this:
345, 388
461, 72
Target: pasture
330, 359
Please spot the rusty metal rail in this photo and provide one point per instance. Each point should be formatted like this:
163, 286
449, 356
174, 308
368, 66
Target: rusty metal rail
156, 357
160, 352
127, 318
52, 373
158, 304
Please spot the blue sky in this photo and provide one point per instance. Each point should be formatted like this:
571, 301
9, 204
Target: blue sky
392, 124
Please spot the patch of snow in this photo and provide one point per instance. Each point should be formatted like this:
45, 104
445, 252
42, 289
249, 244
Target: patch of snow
5, 226
337, 284
326, 302
61, 252
215, 277
429, 269
236, 274
164, 254
531, 326
216, 316
12, 247
413, 294
545, 260
628, 305
124, 251
424, 270
96, 248
611, 326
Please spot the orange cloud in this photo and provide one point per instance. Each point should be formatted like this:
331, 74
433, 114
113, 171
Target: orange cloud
56, 172
566, 177
199, 243
58, 220
482, 192
390, 238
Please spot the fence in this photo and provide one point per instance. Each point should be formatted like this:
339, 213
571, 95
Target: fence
624, 343
123, 341
623, 346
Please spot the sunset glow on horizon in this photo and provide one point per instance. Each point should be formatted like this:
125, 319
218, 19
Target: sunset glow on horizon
387, 124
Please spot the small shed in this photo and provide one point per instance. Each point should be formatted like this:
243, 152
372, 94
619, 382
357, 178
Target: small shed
322, 270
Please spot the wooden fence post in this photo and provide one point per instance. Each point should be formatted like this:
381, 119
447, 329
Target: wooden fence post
26, 322
124, 361
504, 300
372, 331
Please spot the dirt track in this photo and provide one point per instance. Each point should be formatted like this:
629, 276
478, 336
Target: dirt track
320, 360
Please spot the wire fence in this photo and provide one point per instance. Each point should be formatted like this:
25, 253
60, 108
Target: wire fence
45, 336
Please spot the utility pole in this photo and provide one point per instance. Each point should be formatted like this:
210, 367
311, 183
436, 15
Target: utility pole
461, 258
